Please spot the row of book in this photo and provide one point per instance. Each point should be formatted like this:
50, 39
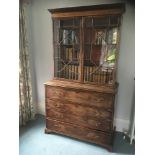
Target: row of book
68, 72
95, 74
69, 37
70, 54
110, 37
91, 73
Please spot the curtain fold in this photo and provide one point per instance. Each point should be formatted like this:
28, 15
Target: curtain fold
26, 112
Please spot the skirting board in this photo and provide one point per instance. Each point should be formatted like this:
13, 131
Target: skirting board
121, 124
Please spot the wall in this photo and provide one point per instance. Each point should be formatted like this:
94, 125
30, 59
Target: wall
41, 51
126, 72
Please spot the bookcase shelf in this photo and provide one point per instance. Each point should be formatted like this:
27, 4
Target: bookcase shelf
67, 45
69, 27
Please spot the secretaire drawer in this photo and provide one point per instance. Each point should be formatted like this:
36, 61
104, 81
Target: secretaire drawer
84, 97
77, 109
78, 132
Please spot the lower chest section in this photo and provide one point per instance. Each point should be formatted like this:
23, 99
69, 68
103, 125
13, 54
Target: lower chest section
86, 115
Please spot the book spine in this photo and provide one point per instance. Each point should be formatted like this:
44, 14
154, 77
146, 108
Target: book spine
106, 73
72, 72
93, 75
101, 78
91, 70
64, 72
65, 37
87, 73
75, 72
104, 76
70, 54
110, 76
84, 73
66, 54
78, 72
67, 71
99, 75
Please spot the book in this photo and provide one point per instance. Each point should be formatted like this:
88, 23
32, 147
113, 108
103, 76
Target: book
77, 73
91, 73
99, 36
65, 34
114, 38
70, 54
104, 76
66, 54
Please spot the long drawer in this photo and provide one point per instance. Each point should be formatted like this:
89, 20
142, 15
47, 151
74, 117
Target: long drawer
77, 109
82, 133
88, 122
103, 100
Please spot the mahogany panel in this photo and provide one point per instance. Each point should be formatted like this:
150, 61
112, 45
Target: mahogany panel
77, 109
101, 100
84, 121
86, 13
108, 89
120, 6
79, 132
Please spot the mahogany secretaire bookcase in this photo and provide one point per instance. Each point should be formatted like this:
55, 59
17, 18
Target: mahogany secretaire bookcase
80, 98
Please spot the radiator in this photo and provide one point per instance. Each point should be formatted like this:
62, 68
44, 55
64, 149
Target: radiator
131, 132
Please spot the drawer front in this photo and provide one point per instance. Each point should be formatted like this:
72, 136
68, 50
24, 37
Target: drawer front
78, 110
98, 124
83, 97
79, 132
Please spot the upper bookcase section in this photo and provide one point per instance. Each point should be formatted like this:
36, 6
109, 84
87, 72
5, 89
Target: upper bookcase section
93, 10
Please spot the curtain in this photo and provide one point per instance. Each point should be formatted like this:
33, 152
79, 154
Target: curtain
26, 112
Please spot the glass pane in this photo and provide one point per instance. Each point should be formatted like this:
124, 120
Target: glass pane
97, 75
112, 36
101, 21
114, 20
87, 49
56, 25
66, 22
70, 22
69, 36
67, 48
76, 22
89, 36
100, 36
100, 44
111, 56
88, 22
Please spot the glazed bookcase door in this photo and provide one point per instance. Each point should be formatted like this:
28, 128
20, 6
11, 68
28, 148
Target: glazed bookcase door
86, 48
66, 48
100, 49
